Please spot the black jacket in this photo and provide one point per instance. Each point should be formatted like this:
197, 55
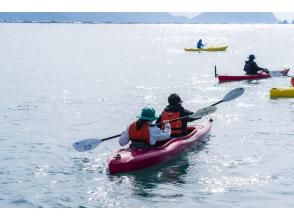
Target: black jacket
183, 112
251, 67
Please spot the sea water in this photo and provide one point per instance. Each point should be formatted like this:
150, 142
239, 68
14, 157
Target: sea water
64, 82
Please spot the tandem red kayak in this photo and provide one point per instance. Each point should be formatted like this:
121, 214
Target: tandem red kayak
126, 160
263, 75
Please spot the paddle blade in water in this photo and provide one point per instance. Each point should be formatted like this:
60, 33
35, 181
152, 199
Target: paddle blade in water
235, 93
86, 144
203, 112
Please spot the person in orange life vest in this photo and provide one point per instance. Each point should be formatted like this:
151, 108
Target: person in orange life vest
175, 110
141, 134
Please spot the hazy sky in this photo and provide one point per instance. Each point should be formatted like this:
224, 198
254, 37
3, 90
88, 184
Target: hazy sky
279, 15
285, 15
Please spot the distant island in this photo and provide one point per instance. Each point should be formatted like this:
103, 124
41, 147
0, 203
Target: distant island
139, 17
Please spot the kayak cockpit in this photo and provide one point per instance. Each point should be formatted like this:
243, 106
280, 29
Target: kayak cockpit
160, 144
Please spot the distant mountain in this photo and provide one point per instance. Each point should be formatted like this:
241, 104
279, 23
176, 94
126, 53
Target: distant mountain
29, 17
236, 17
94, 17
139, 17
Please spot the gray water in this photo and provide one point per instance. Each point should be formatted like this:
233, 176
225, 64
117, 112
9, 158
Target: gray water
64, 82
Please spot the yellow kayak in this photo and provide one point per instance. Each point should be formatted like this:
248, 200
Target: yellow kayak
210, 49
282, 92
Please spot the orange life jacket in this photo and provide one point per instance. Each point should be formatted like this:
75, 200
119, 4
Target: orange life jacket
141, 135
176, 126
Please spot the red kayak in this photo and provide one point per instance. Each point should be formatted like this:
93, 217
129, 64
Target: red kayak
263, 75
126, 160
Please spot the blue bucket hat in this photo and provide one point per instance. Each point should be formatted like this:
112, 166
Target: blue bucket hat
148, 114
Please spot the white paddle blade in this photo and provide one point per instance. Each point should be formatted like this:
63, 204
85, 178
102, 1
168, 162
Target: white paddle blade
86, 144
203, 112
276, 73
235, 93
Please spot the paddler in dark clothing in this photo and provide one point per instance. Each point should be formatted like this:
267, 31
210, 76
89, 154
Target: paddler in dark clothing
251, 68
175, 110
200, 44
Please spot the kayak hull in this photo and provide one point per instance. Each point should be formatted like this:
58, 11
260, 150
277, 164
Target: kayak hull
225, 78
127, 160
208, 49
282, 92
263, 75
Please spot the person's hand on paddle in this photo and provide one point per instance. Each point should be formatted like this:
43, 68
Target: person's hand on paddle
167, 126
166, 123
265, 70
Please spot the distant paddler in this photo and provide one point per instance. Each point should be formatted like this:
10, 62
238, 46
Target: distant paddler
251, 67
200, 44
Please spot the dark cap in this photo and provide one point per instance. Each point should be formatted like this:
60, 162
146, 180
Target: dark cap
174, 99
251, 57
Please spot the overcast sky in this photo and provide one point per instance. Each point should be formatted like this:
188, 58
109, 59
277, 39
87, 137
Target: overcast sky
285, 15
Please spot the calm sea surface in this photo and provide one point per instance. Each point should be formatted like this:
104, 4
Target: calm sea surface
64, 82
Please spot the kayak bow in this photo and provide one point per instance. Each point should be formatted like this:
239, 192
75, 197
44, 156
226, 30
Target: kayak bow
282, 92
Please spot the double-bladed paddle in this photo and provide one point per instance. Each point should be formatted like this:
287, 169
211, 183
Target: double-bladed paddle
90, 144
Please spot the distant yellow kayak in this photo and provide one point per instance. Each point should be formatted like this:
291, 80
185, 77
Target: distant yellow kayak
282, 92
210, 49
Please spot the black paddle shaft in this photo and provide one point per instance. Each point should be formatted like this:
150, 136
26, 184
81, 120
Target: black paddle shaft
217, 103
115, 136
152, 125
176, 119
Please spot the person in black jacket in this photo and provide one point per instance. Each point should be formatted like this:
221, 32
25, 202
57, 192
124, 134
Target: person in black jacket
251, 68
175, 110
200, 44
